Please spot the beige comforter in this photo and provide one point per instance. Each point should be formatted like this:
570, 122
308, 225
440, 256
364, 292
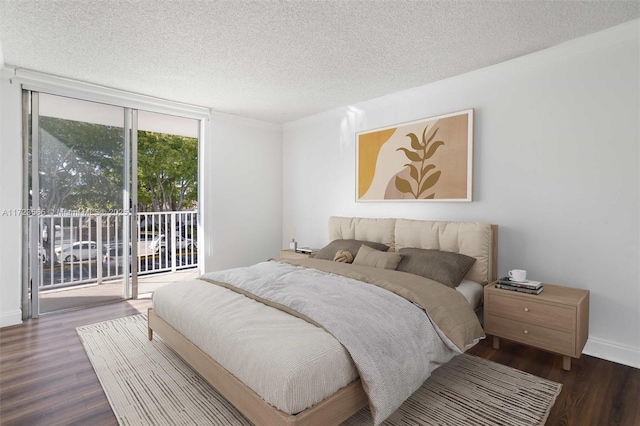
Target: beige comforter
393, 344
289, 362
447, 308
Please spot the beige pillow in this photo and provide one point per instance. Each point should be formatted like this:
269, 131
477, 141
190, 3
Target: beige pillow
329, 251
378, 259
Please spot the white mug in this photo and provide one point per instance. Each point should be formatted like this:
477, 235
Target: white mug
518, 274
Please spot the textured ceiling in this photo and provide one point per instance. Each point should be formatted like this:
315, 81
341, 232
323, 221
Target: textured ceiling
282, 60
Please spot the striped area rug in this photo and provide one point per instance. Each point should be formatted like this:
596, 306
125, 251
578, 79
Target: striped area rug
148, 384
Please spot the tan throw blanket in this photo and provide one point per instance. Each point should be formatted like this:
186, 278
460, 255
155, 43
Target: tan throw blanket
446, 307
391, 341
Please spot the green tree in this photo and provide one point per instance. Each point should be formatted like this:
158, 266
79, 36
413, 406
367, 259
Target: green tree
81, 165
167, 172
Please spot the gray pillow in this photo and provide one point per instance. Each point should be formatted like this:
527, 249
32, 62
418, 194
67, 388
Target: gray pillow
445, 267
378, 259
352, 246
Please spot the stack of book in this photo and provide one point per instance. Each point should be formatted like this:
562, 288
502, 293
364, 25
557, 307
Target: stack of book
304, 250
526, 286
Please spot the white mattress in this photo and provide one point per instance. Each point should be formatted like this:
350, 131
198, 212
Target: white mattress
299, 363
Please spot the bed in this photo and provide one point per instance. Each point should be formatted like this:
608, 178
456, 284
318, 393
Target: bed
278, 366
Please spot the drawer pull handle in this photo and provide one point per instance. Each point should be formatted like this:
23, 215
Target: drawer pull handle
526, 309
526, 332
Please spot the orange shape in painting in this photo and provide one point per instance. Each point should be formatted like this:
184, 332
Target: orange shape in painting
369, 145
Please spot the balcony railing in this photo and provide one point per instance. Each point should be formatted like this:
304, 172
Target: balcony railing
90, 248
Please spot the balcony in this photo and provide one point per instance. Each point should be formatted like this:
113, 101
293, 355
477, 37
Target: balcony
79, 249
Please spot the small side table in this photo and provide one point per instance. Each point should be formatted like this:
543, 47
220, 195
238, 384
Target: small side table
556, 320
292, 254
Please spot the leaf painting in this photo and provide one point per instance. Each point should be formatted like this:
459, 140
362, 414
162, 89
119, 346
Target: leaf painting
421, 160
421, 151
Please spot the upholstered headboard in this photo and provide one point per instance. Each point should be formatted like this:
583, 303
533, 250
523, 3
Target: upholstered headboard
475, 239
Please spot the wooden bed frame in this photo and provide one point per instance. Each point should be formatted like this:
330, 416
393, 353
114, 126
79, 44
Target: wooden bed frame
333, 410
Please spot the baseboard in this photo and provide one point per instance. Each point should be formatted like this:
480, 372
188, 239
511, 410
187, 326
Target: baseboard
11, 318
614, 352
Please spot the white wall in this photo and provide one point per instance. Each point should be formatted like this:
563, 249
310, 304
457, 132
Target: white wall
10, 200
243, 192
556, 167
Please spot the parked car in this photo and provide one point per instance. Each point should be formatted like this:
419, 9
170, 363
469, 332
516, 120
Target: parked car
81, 250
113, 258
186, 224
159, 244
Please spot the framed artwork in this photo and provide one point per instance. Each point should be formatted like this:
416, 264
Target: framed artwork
424, 160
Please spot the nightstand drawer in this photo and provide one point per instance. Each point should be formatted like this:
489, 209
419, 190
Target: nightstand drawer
532, 311
562, 342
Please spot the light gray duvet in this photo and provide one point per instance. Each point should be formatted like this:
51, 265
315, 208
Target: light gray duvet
392, 342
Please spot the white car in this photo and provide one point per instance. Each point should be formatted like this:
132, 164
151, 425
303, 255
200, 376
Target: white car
81, 250
159, 243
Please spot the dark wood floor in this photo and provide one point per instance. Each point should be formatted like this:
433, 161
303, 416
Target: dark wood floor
47, 379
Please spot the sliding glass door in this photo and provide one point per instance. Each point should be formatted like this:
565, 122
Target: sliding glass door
90, 168
79, 197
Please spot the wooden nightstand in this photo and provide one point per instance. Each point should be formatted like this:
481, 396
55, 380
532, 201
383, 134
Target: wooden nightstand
556, 320
292, 254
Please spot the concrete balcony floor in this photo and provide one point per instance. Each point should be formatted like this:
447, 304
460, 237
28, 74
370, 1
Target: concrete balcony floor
109, 291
